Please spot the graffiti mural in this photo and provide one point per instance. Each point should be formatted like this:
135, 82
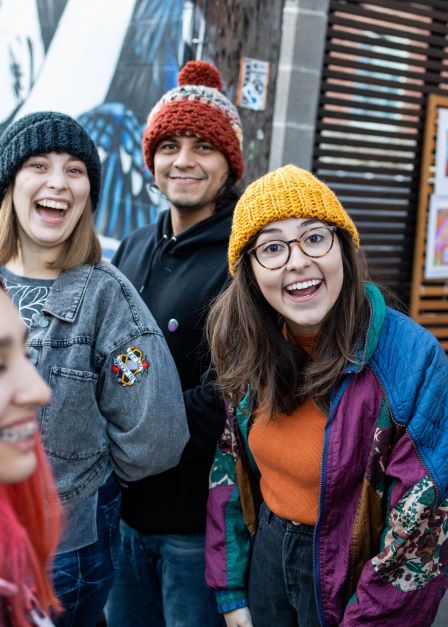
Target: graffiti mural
106, 64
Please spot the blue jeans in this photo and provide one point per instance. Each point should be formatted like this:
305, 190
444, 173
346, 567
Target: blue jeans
281, 587
83, 578
161, 583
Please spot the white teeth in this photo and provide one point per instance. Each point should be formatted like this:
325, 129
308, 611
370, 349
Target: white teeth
53, 204
19, 432
303, 285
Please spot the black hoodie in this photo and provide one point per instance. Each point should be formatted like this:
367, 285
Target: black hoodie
177, 278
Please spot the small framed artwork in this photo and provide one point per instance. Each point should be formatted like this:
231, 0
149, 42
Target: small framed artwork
436, 266
441, 165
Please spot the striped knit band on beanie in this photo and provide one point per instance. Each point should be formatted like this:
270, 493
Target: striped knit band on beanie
197, 108
288, 192
47, 131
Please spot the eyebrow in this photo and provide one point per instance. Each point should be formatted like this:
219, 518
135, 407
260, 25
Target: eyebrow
277, 230
44, 155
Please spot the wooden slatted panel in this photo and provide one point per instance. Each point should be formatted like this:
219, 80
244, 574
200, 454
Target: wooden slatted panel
429, 297
382, 59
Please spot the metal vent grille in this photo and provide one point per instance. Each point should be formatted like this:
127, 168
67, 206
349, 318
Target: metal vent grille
382, 59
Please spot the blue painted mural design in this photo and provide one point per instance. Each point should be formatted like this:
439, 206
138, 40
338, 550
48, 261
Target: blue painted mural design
147, 65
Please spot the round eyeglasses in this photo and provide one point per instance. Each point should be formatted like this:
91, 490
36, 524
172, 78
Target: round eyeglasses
313, 243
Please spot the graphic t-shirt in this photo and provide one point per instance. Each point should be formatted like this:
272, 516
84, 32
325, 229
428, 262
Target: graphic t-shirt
28, 295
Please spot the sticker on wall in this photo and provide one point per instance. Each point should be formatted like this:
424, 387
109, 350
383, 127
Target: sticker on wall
253, 84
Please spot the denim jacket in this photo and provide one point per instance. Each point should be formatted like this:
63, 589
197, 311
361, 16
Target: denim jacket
116, 398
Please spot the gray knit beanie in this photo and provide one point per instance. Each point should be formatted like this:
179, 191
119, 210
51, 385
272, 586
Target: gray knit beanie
47, 131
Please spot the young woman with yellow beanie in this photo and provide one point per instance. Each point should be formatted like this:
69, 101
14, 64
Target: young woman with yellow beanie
328, 501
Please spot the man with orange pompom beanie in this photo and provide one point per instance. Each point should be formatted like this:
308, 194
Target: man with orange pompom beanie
193, 146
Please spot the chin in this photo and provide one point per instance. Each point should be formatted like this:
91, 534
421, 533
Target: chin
18, 471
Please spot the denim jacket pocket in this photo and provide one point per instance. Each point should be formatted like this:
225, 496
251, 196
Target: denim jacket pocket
71, 424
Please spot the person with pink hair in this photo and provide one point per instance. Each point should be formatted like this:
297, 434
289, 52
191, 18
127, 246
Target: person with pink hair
29, 505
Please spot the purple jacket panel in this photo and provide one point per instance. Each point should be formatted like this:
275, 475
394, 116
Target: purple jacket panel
404, 456
215, 539
419, 610
351, 432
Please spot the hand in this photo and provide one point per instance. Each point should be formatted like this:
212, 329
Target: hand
238, 618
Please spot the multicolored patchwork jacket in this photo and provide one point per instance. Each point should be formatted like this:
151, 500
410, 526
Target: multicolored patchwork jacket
381, 539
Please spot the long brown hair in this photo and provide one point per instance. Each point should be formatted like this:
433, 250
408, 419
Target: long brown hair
248, 347
82, 247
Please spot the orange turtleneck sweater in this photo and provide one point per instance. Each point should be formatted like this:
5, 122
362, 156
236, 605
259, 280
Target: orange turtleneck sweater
288, 452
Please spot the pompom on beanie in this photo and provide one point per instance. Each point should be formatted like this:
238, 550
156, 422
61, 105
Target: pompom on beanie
47, 131
288, 192
197, 108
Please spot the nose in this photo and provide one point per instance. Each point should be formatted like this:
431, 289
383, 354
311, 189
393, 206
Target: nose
56, 178
184, 158
297, 259
31, 389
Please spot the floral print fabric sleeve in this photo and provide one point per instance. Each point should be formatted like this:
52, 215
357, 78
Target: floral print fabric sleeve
227, 536
415, 546
403, 584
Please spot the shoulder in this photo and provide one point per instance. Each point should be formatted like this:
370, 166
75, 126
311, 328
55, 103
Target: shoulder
411, 365
134, 242
107, 277
109, 288
402, 338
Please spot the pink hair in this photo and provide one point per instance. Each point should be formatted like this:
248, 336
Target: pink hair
29, 534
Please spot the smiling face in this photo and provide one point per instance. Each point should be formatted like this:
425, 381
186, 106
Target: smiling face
50, 193
22, 392
304, 291
190, 172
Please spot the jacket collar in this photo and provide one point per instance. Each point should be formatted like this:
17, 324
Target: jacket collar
377, 316
67, 292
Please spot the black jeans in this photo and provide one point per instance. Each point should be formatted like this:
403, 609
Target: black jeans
281, 587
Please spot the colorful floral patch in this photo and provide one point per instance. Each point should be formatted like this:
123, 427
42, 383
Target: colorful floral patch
416, 542
223, 468
128, 367
379, 455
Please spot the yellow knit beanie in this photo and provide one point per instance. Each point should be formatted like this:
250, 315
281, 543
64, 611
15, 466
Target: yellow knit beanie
288, 192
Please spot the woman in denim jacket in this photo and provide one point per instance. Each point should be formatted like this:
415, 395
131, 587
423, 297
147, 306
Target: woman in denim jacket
117, 409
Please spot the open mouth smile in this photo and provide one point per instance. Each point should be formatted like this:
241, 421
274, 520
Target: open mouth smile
303, 289
19, 434
50, 210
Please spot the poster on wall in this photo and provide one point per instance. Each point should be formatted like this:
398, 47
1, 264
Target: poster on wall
441, 167
129, 57
253, 83
436, 265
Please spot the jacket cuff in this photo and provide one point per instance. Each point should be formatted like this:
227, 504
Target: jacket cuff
229, 600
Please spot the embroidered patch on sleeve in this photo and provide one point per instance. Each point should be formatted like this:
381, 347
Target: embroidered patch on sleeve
129, 367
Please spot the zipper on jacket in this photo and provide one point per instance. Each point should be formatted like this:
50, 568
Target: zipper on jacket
377, 377
316, 574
